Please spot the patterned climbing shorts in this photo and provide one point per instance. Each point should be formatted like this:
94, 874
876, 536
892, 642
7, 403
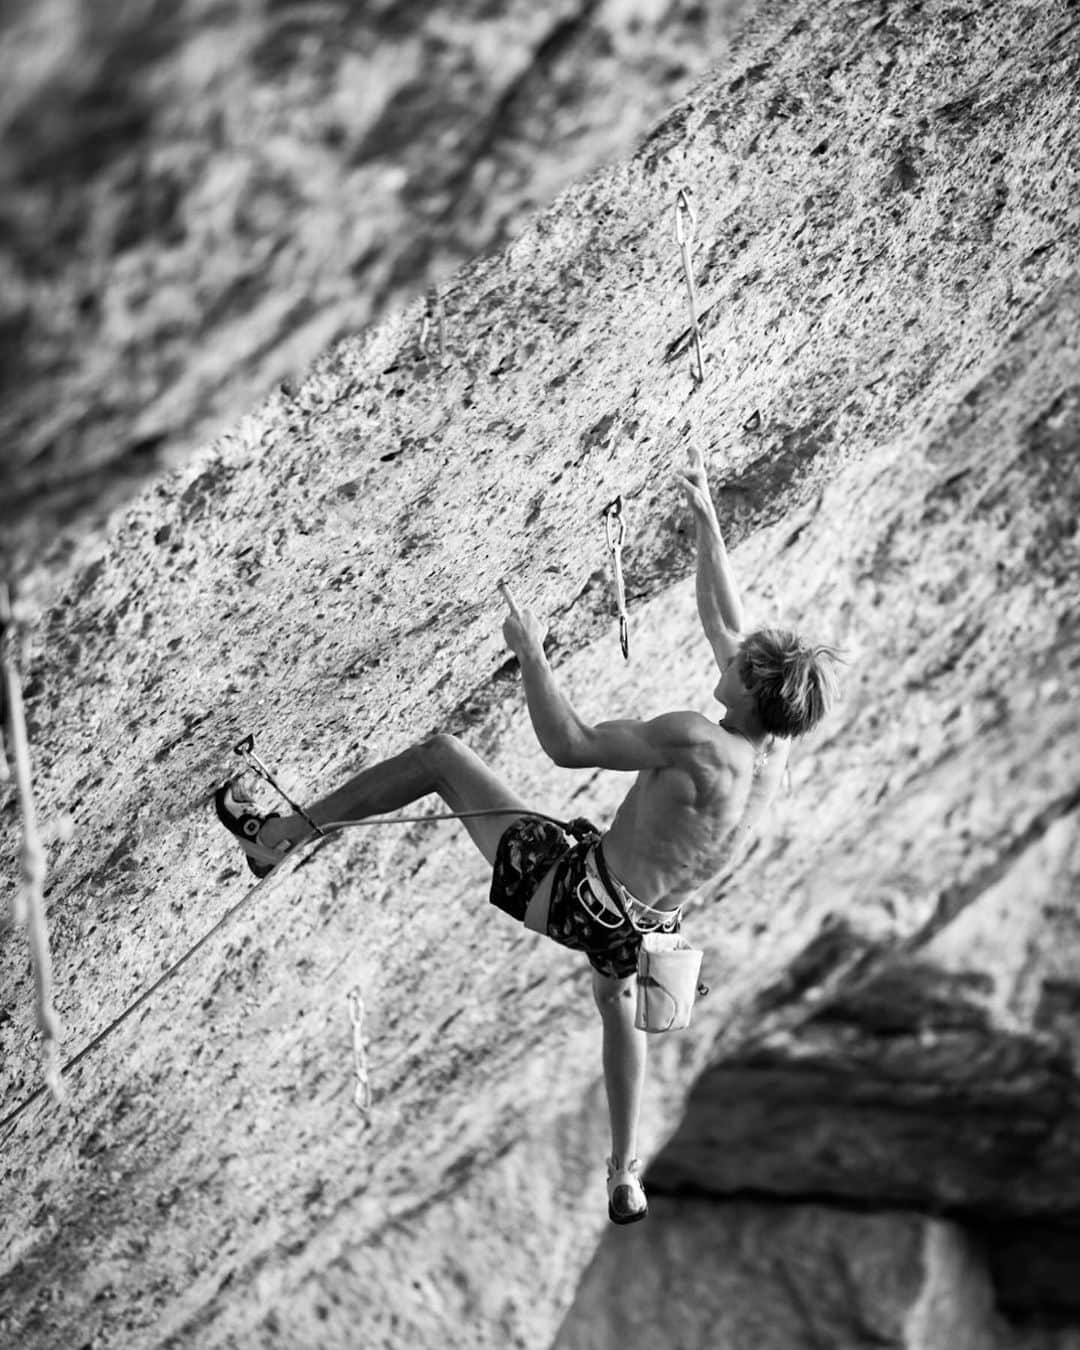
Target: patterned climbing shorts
527, 850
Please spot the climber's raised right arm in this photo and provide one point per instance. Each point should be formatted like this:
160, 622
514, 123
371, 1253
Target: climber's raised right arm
718, 599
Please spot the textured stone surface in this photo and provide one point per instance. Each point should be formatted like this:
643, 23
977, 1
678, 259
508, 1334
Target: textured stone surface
943, 1076
749, 1277
197, 199
325, 576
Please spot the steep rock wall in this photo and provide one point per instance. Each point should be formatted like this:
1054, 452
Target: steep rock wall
919, 1056
325, 576
197, 199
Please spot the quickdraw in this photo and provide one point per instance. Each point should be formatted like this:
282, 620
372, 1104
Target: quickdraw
685, 225
246, 750
615, 528
362, 1090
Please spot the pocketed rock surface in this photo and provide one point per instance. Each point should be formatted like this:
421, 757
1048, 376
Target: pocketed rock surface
872, 1125
197, 199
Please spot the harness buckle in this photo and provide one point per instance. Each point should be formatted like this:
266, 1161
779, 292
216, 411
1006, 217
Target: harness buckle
594, 907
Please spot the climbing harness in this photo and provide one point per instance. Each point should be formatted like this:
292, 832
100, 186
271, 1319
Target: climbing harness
628, 907
615, 528
246, 749
667, 965
362, 1091
685, 225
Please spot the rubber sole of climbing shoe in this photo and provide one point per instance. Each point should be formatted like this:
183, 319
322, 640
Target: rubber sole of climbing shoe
624, 1194
634, 1216
244, 826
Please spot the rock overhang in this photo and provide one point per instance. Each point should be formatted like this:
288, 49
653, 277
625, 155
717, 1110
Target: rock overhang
327, 575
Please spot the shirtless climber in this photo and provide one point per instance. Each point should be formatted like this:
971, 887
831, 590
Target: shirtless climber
700, 786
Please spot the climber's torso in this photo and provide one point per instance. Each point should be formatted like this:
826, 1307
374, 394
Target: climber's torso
679, 826
676, 826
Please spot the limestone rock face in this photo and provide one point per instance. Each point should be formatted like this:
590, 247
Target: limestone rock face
750, 1275
197, 199
882, 1082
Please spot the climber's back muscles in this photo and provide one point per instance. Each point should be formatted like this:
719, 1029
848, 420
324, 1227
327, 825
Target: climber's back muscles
674, 830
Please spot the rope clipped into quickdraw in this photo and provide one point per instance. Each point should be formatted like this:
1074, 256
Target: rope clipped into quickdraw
615, 528
685, 226
246, 750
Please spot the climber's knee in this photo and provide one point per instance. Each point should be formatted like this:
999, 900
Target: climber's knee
442, 752
613, 996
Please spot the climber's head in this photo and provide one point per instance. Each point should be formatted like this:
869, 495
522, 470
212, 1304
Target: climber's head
788, 684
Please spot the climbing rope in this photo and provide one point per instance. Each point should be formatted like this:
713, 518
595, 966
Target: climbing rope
614, 523
575, 827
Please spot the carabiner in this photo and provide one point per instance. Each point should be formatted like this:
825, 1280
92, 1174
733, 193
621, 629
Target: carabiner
684, 212
245, 748
614, 525
684, 206
615, 529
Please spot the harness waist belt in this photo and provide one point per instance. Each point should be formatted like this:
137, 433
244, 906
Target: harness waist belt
624, 902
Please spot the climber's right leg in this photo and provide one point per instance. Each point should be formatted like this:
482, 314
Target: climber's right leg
441, 764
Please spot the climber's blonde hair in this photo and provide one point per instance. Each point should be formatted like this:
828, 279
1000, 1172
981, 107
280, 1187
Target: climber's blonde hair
793, 683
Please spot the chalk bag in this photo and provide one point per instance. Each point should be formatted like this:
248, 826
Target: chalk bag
667, 982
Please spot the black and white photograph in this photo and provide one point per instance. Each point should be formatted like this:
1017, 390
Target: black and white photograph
539, 675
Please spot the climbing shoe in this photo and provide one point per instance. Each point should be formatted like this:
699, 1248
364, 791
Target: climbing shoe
626, 1195
240, 818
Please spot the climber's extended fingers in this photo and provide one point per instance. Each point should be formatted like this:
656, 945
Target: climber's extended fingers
511, 603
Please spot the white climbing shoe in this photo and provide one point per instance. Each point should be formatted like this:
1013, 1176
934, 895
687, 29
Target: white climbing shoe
626, 1195
240, 818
